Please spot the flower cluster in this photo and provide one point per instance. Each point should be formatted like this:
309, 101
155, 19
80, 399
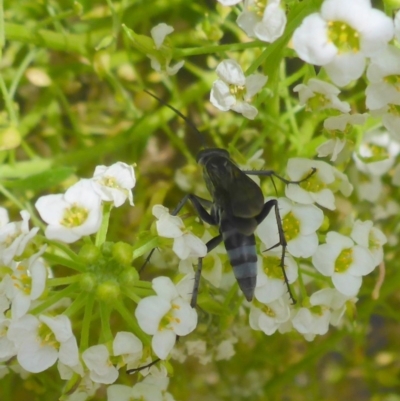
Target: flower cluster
78, 212
83, 305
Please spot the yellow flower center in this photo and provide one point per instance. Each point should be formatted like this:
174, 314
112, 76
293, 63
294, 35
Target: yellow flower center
272, 268
109, 181
74, 216
377, 152
373, 242
22, 282
393, 80
318, 102
47, 336
237, 90
344, 260
169, 318
312, 184
291, 226
344, 37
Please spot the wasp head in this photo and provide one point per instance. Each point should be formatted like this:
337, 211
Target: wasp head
205, 155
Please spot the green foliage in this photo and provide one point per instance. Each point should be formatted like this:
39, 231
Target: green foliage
72, 80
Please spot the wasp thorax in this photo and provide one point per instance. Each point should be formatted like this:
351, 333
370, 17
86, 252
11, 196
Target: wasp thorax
206, 154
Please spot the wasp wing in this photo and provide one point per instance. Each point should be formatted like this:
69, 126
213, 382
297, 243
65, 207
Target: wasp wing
234, 191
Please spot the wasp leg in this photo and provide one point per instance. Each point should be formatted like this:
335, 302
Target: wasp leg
149, 365
282, 240
271, 173
199, 204
213, 243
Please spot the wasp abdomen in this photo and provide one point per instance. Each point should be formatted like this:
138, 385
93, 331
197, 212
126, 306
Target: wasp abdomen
242, 255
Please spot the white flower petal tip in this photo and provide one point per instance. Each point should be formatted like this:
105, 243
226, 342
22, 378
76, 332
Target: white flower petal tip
186, 244
165, 316
73, 215
264, 22
233, 91
159, 32
114, 183
341, 36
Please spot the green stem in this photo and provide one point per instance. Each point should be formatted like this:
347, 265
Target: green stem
59, 260
145, 248
57, 296
131, 321
78, 303
47, 39
2, 37
8, 102
303, 290
233, 47
11, 197
288, 103
64, 248
132, 295
105, 313
87, 318
55, 282
102, 233
143, 284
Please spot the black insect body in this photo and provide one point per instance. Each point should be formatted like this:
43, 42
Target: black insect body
237, 208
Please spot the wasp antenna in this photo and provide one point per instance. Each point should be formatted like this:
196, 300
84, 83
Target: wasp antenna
187, 121
273, 183
149, 365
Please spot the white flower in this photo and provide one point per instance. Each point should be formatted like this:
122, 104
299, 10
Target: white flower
97, 360
341, 121
344, 262
185, 244
397, 26
331, 147
7, 347
128, 346
198, 349
320, 95
369, 188
338, 123
342, 183
4, 219
299, 222
233, 90
341, 36
312, 322
372, 238
152, 388
73, 215
159, 33
225, 349
114, 183
162, 63
164, 316
170, 70
391, 121
314, 189
229, 2
334, 300
265, 22
270, 281
269, 317
14, 238
26, 283
377, 153
382, 72
40, 342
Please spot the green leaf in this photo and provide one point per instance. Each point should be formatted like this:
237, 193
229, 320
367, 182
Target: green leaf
42, 180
